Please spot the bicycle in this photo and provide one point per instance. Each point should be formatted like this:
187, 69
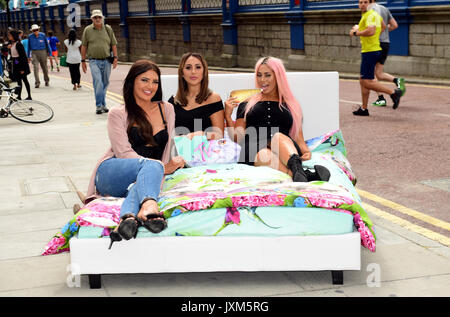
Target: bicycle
29, 111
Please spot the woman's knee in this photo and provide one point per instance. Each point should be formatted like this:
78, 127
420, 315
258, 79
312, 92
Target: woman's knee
263, 157
154, 166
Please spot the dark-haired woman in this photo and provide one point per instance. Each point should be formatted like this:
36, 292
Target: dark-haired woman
140, 132
73, 59
198, 110
20, 67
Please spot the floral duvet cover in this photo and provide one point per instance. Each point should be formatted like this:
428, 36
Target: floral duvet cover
241, 189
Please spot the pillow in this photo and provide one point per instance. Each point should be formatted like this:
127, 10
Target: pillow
201, 151
102, 212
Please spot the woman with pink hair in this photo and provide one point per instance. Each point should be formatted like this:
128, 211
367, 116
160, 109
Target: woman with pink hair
269, 125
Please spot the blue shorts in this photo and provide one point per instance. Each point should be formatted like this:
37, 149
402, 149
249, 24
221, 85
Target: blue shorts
368, 62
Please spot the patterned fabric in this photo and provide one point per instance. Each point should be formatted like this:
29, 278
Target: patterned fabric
241, 188
201, 151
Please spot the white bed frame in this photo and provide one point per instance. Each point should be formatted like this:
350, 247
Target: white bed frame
318, 94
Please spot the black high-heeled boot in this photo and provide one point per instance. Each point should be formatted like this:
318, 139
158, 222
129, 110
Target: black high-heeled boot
127, 229
321, 174
295, 165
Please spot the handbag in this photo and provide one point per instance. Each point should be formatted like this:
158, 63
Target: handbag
200, 151
110, 58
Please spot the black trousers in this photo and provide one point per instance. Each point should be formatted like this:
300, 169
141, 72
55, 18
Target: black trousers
75, 74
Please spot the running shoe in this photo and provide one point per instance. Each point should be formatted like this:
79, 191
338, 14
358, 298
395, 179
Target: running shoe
361, 112
381, 102
396, 98
401, 85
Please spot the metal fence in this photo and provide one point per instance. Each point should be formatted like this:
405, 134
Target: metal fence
163, 7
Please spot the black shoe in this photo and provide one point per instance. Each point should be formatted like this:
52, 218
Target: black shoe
98, 111
127, 229
361, 112
114, 236
105, 110
396, 98
155, 223
321, 174
28, 98
295, 165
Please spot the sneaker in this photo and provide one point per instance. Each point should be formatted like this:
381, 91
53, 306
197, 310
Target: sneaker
396, 98
361, 112
98, 111
380, 103
401, 85
105, 110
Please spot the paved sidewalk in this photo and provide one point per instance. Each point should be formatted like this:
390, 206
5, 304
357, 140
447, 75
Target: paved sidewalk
42, 165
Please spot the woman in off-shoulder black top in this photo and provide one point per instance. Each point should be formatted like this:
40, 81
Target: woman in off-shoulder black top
198, 110
187, 118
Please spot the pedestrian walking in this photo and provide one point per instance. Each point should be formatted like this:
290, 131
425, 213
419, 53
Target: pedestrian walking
73, 58
98, 42
38, 50
20, 67
380, 74
369, 29
53, 41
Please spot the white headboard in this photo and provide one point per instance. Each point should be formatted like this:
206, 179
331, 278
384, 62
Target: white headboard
317, 92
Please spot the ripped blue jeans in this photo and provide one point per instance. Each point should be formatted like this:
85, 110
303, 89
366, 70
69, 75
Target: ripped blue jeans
114, 177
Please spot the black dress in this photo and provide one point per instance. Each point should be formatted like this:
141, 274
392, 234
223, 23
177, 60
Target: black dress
262, 122
188, 121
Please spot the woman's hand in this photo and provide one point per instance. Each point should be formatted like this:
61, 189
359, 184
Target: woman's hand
174, 164
230, 104
192, 134
306, 156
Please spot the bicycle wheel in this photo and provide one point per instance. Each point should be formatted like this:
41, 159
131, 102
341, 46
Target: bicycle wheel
31, 111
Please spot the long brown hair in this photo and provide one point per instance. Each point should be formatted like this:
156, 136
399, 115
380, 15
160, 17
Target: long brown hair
182, 84
136, 115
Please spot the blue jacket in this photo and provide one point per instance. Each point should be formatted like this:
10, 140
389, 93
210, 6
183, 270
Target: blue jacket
38, 43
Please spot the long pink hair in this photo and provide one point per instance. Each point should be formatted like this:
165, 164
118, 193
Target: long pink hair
284, 93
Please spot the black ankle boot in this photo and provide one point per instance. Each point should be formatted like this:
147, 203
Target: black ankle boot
321, 174
295, 165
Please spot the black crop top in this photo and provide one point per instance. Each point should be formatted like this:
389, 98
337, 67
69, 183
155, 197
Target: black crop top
188, 118
140, 146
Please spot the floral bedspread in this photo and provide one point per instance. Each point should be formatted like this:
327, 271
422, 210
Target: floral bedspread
239, 187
